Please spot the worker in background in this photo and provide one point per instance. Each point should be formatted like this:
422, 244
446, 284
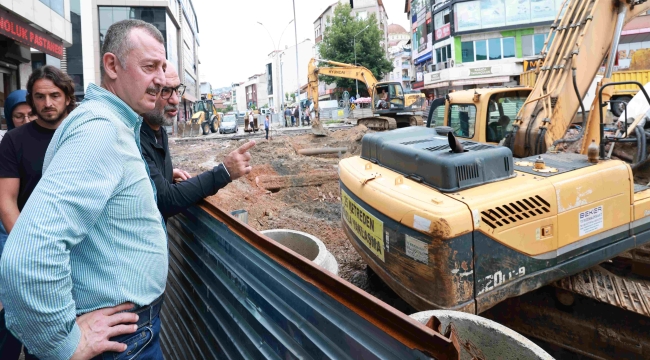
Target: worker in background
50, 93
85, 266
175, 197
266, 126
287, 117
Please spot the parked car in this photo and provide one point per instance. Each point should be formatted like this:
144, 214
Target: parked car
229, 124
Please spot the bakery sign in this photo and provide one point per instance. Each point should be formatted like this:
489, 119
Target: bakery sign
18, 30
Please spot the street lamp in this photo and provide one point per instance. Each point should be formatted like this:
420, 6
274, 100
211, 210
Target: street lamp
276, 47
355, 52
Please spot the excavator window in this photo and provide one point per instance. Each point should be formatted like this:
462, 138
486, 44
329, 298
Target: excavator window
389, 96
462, 118
199, 106
502, 111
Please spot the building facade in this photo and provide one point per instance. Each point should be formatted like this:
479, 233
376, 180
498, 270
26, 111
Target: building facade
176, 20
282, 67
476, 43
399, 53
33, 33
361, 9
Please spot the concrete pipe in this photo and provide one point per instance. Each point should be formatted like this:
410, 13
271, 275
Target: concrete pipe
306, 245
322, 151
480, 338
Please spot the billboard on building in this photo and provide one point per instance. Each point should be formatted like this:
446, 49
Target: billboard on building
486, 14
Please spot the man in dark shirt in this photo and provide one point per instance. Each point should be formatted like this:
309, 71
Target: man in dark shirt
50, 94
175, 197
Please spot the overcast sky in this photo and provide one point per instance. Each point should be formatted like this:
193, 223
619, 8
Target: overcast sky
234, 47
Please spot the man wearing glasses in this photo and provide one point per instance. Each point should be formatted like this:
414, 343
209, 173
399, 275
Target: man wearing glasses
176, 189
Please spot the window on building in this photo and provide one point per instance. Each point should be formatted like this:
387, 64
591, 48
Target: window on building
362, 15
539, 43
480, 49
532, 44
443, 54
508, 48
441, 19
494, 46
462, 119
110, 15
55, 5
467, 51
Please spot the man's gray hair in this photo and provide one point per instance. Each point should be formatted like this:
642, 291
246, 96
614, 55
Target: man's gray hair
117, 38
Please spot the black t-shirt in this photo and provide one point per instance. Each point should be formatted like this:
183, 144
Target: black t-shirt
22, 152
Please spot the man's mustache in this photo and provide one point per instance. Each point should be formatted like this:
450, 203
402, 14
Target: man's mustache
170, 108
154, 90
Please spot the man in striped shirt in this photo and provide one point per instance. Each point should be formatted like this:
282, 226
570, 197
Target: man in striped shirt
85, 266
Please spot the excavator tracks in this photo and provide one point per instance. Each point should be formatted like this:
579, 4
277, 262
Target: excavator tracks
629, 293
379, 123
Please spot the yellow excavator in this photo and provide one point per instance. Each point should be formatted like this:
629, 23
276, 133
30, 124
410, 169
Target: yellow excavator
206, 118
391, 107
450, 220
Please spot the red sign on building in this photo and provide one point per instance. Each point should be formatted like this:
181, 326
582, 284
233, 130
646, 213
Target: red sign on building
18, 30
443, 32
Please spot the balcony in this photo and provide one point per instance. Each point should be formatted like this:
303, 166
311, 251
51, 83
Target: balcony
406, 78
406, 66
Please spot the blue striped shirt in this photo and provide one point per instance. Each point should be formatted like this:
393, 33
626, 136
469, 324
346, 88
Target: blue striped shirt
90, 235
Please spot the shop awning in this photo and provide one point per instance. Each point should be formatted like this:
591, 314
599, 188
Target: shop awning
437, 85
489, 80
424, 58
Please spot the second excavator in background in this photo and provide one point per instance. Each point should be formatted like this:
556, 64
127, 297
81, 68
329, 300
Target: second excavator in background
392, 108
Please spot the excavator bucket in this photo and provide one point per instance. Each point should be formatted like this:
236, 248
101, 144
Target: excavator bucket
188, 129
318, 129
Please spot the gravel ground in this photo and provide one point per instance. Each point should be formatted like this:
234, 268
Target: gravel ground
312, 209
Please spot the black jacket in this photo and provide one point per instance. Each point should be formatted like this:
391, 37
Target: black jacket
174, 198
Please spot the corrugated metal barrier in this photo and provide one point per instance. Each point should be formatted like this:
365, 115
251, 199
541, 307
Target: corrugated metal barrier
234, 294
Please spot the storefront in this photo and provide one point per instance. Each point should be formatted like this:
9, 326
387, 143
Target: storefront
16, 39
472, 77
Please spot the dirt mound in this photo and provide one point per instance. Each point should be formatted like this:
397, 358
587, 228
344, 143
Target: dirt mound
353, 134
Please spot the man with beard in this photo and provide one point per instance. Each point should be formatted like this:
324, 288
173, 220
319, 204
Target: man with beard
174, 197
50, 95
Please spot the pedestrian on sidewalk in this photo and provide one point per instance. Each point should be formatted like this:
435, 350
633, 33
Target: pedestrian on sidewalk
296, 115
50, 93
251, 120
90, 241
174, 197
306, 117
266, 126
287, 117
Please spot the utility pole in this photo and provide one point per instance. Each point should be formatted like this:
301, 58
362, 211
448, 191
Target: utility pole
354, 38
295, 27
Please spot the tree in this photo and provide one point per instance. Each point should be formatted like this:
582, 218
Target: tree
338, 45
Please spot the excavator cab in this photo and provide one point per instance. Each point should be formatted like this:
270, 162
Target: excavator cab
484, 115
389, 96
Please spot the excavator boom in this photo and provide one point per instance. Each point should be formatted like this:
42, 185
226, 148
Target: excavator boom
340, 70
582, 35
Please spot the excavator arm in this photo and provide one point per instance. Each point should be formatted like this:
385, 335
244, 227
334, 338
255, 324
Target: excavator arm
583, 35
341, 70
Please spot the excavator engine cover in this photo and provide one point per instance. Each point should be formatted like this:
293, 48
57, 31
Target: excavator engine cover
424, 155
